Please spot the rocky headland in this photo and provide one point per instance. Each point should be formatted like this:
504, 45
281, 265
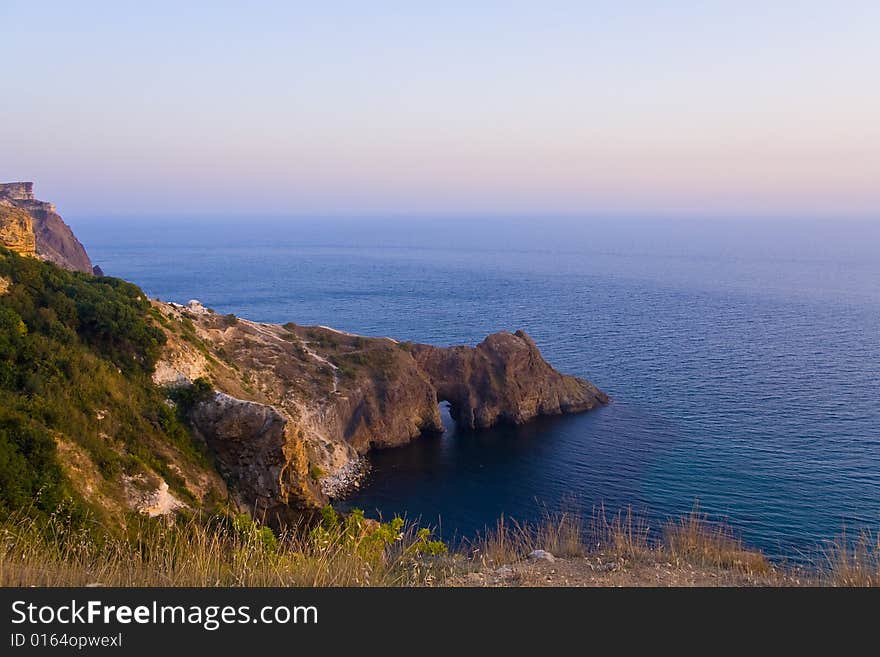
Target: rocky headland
295, 409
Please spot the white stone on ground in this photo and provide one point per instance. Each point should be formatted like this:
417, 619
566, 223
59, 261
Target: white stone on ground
541, 555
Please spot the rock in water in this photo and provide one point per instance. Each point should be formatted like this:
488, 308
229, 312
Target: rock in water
503, 379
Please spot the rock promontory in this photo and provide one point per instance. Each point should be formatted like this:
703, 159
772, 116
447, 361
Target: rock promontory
295, 408
502, 379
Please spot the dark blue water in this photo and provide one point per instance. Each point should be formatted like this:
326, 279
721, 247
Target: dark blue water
743, 356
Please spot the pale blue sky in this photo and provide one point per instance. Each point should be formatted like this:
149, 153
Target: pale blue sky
706, 109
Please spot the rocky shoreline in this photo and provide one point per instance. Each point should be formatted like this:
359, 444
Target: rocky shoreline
347, 479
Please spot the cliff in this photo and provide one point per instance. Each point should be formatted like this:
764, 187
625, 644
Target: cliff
16, 230
296, 407
53, 239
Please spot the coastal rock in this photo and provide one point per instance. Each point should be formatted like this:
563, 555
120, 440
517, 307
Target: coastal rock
504, 379
17, 191
54, 241
255, 451
300, 406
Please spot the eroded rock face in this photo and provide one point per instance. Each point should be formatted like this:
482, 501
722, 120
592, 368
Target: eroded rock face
258, 455
54, 241
17, 191
301, 405
16, 230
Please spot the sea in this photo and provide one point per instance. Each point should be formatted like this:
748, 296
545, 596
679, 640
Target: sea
742, 355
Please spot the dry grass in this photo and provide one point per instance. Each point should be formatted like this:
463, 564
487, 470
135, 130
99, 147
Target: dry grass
508, 541
200, 553
626, 535
849, 563
692, 541
695, 540
197, 553
560, 533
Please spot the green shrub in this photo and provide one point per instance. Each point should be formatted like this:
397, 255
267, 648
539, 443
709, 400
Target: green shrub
186, 397
29, 470
370, 540
252, 533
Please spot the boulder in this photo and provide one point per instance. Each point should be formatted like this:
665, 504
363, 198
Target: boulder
541, 555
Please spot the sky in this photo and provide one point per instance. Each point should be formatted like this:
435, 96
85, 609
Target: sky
706, 109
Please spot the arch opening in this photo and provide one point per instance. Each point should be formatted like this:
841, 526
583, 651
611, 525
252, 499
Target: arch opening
447, 419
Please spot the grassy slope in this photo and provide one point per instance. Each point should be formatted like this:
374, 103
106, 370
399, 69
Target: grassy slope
76, 354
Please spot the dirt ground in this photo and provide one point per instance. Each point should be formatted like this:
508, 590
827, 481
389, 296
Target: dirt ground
608, 570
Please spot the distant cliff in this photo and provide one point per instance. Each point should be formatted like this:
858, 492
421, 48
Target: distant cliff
53, 239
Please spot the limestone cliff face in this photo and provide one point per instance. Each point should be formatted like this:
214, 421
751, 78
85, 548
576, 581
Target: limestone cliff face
16, 230
299, 406
54, 241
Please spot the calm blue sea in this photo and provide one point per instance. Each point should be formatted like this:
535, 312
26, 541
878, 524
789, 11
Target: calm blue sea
743, 356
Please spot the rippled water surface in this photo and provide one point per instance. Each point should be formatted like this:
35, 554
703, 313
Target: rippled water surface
743, 356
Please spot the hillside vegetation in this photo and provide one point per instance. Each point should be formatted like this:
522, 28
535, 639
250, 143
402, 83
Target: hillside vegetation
79, 414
